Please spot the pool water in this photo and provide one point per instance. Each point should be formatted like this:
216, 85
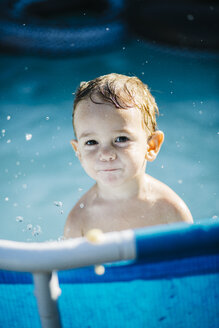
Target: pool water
41, 179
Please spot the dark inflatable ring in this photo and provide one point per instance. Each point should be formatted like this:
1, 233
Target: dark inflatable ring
34, 38
190, 24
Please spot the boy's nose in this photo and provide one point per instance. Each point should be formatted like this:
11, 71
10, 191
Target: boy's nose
107, 154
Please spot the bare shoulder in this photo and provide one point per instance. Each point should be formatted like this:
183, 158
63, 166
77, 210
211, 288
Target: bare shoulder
169, 205
74, 226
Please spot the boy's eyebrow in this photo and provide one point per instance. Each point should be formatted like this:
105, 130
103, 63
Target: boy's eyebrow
86, 134
89, 133
124, 131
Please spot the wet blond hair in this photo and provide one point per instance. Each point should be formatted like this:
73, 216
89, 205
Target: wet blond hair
123, 92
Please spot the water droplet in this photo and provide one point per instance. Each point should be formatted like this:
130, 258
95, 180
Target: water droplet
3, 132
29, 226
214, 217
8, 118
36, 230
17, 163
123, 48
99, 270
80, 189
6, 199
58, 203
180, 181
19, 219
8, 141
28, 136
190, 17
24, 186
47, 118
162, 166
81, 205
107, 29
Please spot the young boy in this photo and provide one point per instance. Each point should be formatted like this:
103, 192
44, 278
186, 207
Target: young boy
114, 121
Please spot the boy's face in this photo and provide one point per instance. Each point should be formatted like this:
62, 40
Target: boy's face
111, 143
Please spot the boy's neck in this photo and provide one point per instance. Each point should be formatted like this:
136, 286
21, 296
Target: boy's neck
135, 188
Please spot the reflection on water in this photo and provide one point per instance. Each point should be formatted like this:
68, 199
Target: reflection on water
41, 179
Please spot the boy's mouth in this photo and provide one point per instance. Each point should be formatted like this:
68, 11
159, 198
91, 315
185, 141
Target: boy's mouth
108, 170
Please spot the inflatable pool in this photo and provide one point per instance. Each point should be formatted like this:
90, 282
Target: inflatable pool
164, 276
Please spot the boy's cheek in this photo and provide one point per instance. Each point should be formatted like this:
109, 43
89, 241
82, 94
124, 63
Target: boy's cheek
87, 161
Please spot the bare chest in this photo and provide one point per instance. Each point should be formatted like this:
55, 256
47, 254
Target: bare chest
120, 216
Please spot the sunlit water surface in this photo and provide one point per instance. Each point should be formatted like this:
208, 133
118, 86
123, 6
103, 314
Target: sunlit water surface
40, 177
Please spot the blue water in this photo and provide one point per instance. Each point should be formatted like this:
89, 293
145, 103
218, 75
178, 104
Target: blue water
40, 177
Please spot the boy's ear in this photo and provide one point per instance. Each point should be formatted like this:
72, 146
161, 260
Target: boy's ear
74, 144
154, 145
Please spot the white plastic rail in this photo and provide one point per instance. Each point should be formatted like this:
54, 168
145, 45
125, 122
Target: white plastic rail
43, 259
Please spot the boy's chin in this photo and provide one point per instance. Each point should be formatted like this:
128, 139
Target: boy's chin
109, 179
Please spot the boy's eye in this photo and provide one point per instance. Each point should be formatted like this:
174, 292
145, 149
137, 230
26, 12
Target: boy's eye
91, 142
122, 139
